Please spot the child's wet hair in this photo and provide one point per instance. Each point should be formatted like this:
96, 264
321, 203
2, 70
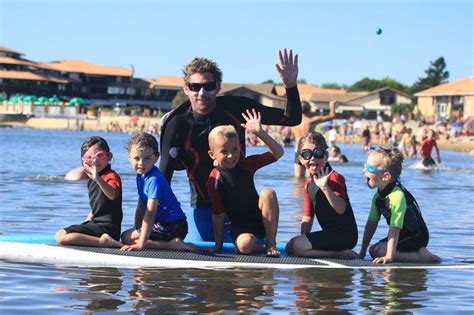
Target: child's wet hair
315, 138
142, 141
391, 160
91, 141
219, 132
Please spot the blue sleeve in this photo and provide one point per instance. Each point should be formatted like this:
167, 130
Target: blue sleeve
152, 189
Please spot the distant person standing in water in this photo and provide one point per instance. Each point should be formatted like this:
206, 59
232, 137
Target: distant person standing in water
426, 147
366, 138
308, 123
184, 135
103, 224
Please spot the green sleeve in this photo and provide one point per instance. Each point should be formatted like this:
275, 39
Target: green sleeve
374, 215
398, 207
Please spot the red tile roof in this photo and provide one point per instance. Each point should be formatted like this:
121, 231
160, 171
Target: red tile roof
460, 87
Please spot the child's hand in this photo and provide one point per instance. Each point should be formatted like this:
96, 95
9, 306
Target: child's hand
91, 170
253, 124
383, 260
321, 177
131, 247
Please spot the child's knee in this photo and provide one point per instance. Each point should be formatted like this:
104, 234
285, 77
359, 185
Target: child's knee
127, 236
377, 250
59, 237
245, 244
298, 245
290, 248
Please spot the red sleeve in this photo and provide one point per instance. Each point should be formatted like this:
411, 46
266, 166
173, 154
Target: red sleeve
337, 183
211, 185
112, 179
308, 209
254, 162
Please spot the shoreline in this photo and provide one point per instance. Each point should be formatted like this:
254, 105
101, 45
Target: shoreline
132, 124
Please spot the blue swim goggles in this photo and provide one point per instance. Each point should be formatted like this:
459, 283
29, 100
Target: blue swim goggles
372, 169
307, 154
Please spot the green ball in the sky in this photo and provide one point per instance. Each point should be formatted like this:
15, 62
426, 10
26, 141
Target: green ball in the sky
379, 31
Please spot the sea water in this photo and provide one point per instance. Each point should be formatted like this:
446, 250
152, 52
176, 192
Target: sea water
34, 198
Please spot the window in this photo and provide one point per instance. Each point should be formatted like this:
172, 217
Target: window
115, 90
131, 91
442, 105
61, 87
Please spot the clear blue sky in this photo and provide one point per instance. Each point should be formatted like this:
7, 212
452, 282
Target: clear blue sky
336, 40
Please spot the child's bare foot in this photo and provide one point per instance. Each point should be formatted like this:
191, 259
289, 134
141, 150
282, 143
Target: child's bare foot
426, 255
107, 241
178, 244
273, 252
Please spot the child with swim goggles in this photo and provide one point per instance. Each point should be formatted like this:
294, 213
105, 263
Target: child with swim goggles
103, 224
325, 196
408, 235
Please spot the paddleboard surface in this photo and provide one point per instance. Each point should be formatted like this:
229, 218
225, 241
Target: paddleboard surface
49, 253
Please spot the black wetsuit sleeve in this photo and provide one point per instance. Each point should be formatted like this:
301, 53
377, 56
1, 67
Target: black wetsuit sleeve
293, 106
291, 116
168, 141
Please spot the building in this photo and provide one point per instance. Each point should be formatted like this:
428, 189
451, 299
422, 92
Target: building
96, 84
451, 100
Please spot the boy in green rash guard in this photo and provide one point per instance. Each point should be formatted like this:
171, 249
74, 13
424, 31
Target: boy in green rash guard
408, 235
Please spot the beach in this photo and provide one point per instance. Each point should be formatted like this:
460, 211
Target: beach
123, 123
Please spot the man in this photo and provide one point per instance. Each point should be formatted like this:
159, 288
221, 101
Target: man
308, 122
184, 136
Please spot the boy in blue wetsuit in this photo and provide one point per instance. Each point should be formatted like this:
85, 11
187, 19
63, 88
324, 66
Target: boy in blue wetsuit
232, 190
159, 221
408, 235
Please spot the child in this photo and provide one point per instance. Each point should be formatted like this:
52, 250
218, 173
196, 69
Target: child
335, 155
325, 195
425, 149
159, 220
408, 235
103, 224
232, 189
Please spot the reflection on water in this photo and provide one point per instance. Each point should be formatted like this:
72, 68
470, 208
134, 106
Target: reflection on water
35, 198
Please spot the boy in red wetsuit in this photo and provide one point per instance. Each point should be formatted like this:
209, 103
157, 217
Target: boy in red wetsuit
425, 149
232, 190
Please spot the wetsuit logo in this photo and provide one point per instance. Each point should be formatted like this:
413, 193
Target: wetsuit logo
173, 152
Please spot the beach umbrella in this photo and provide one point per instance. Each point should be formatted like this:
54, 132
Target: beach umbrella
2, 98
30, 98
54, 100
76, 100
41, 100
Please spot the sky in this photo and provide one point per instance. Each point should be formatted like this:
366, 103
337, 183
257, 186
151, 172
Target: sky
336, 40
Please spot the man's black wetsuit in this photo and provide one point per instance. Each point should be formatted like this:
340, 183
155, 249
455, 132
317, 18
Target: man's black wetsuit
184, 138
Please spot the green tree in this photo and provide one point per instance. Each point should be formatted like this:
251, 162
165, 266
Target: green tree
402, 108
435, 75
302, 81
179, 99
333, 85
269, 81
368, 84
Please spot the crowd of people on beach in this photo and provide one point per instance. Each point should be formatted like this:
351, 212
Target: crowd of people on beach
207, 137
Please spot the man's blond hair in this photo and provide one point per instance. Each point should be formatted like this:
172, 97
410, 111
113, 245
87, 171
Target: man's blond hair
220, 132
